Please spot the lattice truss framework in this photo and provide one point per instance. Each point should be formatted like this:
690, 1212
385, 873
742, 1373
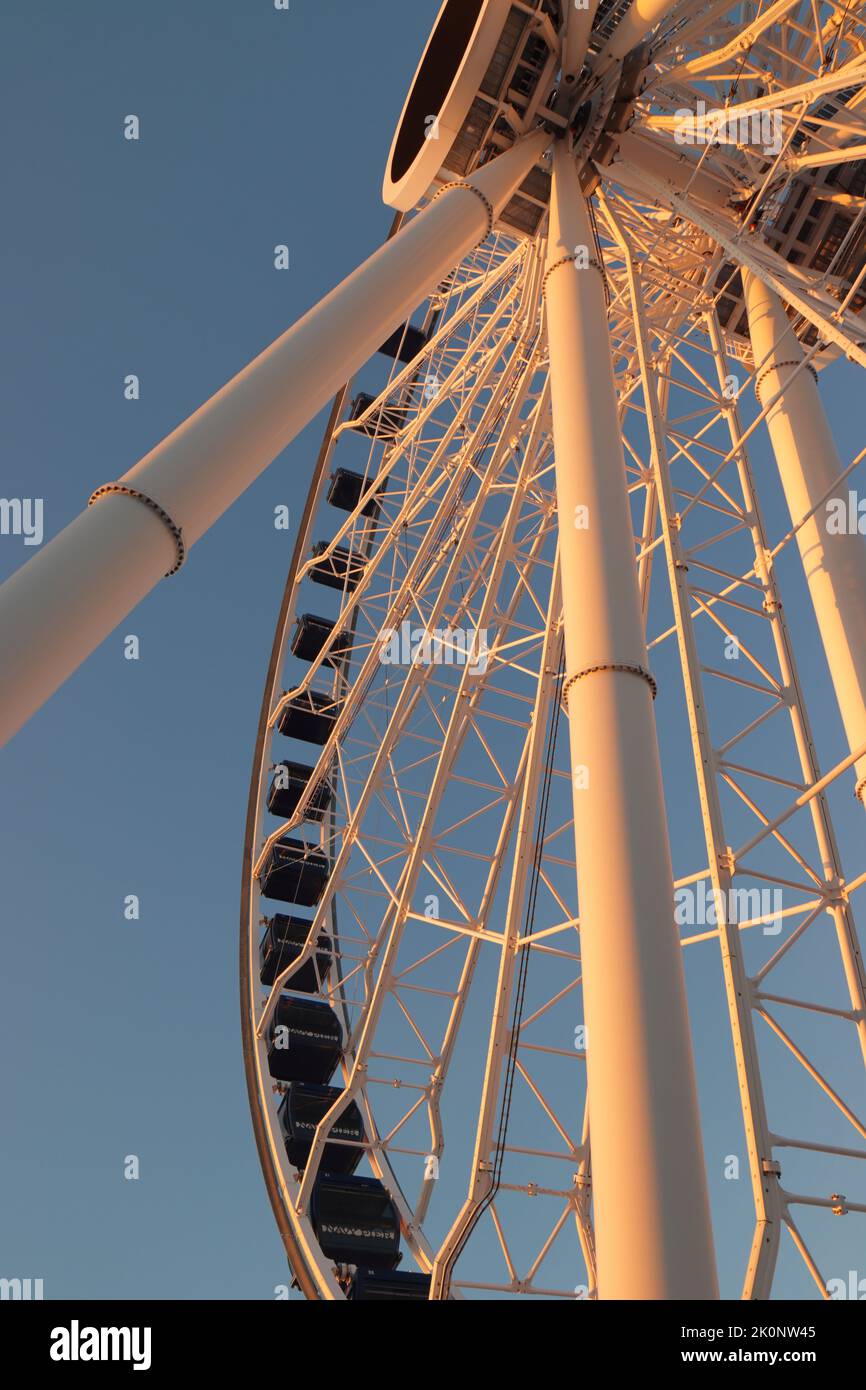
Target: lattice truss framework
451, 896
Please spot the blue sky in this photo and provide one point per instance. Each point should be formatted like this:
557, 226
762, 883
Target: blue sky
156, 258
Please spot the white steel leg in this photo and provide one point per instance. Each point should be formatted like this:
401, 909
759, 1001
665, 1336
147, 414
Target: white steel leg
835, 565
62, 604
653, 1233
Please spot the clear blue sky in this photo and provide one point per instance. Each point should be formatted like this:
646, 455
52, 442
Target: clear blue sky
156, 258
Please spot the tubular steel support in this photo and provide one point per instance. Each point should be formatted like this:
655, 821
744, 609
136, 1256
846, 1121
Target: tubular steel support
835, 565
62, 604
653, 1234
578, 26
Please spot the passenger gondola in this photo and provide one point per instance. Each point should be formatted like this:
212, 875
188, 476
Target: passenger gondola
383, 424
356, 1222
282, 944
310, 635
341, 570
305, 1041
301, 1109
309, 717
294, 872
289, 782
346, 489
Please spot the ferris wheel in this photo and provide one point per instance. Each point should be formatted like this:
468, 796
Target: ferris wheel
629, 239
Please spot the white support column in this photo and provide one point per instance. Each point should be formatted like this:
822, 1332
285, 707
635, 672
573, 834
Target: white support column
575, 39
653, 1232
835, 565
60, 606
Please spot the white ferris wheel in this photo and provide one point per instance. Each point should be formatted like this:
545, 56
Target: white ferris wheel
538, 579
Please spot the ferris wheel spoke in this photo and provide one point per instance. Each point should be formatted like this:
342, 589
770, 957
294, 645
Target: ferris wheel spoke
417, 857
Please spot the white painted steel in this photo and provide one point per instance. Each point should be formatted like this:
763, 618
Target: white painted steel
808, 463
578, 26
70, 595
437, 783
653, 1233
